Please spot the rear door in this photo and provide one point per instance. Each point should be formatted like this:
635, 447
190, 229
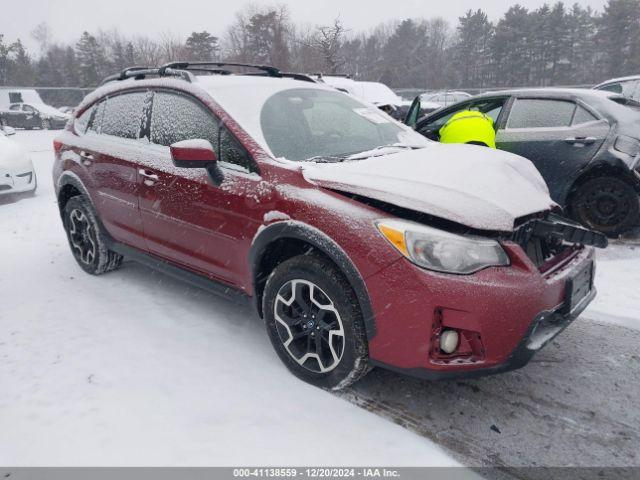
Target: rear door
110, 151
559, 136
188, 219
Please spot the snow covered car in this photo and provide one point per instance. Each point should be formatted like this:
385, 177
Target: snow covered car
34, 115
17, 174
360, 242
443, 99
375, 93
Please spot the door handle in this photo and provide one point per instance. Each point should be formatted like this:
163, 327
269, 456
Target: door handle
149, 178
580, 140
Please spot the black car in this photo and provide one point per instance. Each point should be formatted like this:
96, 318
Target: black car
585, 143
33, 115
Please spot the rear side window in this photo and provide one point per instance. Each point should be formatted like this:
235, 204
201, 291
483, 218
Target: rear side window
123, 115
582, 115
541, 113
177, 117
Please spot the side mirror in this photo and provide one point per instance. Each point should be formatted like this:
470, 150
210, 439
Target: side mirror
414, 113
8, 131
196, 153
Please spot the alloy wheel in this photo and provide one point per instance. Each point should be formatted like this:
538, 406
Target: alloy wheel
82, 236
309, 326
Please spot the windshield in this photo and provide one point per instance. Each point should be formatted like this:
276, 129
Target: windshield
303, 124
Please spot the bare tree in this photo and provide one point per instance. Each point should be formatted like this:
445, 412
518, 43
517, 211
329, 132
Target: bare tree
328, 40
146, 51
172, 47
42, 34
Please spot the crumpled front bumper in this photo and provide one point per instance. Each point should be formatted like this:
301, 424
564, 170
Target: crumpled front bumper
506, 314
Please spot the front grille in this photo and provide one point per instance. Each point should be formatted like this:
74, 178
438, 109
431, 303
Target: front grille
548, 239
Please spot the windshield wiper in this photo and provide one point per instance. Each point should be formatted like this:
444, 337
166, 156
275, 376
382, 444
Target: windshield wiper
326, 159
371, 152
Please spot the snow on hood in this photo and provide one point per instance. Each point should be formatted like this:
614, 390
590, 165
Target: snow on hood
474, 186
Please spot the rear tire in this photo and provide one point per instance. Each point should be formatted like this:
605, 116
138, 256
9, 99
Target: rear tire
312, 312
46, 125
86, 239
607, 204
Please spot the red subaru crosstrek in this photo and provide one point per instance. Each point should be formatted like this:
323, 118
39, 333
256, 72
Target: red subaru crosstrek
360, 242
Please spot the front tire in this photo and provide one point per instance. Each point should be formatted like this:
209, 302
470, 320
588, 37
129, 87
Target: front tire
606, 204
86, 238
314, 322
46, 124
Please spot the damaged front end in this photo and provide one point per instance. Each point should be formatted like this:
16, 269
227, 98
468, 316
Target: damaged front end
548, 239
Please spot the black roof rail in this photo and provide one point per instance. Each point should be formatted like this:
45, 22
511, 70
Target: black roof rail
140, 73
184, 69
200, 66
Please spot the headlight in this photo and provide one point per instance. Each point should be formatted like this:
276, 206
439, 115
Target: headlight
442, 251
627, 145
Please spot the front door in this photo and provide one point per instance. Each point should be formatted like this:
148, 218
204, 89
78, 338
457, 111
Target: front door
187, 218
559, 136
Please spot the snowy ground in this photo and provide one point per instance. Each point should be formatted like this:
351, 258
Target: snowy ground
134, 368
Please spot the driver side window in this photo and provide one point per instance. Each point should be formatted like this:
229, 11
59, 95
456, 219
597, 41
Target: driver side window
490, 107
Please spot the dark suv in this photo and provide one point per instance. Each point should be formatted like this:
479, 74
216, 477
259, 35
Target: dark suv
585, 143
360, 242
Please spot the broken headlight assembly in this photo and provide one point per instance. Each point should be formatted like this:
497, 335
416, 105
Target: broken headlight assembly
442, 251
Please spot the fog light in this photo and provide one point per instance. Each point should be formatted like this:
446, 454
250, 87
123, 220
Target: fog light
449, 341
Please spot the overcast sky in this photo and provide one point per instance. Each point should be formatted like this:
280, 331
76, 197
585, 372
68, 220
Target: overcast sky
68, 18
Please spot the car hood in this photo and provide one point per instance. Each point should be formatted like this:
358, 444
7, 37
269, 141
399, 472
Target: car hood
475, 186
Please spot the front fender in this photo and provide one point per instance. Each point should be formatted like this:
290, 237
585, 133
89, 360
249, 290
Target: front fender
301, 231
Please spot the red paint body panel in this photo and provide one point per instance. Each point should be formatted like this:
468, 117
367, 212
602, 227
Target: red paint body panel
180, 215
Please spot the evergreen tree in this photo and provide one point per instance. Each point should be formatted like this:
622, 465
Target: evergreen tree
21, 71
91, 59
619, 38
202, 46
470, 54
511, 48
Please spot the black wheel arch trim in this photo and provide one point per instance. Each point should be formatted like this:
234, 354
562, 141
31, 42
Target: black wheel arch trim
301, 231
70, 178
